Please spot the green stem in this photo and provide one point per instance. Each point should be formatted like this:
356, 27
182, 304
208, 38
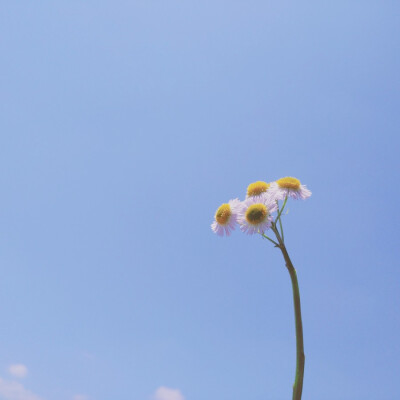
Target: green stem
273, 241
280, 225
300, 357
280, 212
280, 221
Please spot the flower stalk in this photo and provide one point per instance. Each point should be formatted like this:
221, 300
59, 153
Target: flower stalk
300, 357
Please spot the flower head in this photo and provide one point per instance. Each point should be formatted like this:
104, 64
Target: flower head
257, 189
290, 187
255, 214
226, 217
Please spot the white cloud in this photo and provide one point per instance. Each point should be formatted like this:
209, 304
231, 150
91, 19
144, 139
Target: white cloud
10, 390
18, 370
164, 393
80, 397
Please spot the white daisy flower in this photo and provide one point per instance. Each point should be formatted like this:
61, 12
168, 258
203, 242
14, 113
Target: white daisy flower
290, 187
257, 189
226, 217
255, 214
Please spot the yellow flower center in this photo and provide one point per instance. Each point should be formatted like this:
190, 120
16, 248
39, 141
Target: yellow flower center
257, 188
289, 183
223, 214
256, 214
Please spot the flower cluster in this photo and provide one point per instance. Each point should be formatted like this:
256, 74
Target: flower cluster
254, 214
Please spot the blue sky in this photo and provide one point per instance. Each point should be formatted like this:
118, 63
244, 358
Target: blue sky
124, 125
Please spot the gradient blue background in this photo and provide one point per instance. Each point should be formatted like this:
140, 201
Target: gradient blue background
125, 124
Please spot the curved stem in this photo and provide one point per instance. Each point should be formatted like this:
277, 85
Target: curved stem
300, 357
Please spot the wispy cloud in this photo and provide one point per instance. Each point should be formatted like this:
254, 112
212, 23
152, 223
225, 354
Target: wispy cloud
80, 397
87, 355
18, 370
10, 390
164, 393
